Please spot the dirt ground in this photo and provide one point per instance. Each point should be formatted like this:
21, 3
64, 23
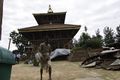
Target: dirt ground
62, 70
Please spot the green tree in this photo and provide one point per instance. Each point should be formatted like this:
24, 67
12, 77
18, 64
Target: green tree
85, 28
118, 34
108, 35
75, 42
19, 41
96, 40
84, 39
98, 34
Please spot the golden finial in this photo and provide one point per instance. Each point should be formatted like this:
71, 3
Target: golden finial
50, 10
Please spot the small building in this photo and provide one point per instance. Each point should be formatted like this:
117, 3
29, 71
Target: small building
50, 25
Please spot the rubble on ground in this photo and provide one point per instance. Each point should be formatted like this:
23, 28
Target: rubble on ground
107, 59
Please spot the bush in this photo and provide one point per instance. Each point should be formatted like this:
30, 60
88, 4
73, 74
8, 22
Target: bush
93, 43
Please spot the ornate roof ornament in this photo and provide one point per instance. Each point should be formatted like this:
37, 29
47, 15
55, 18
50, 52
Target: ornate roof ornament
50, 10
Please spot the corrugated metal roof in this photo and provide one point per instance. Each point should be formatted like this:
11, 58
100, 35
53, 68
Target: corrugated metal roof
50, 27
6, 56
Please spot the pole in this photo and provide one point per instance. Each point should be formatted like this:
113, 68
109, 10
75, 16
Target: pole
9, 43
1, 13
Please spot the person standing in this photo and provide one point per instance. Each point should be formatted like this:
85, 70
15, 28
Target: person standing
43, 56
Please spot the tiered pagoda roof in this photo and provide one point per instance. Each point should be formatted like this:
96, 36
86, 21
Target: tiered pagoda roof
49, 27
50, 18
50, 24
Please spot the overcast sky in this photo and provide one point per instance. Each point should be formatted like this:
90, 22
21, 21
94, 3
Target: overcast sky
91, 13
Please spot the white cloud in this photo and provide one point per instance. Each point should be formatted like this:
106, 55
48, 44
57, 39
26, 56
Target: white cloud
92, 13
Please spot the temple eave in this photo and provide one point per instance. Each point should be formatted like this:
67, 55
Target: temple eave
41, 30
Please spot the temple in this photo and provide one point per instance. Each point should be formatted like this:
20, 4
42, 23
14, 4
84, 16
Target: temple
51, 25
